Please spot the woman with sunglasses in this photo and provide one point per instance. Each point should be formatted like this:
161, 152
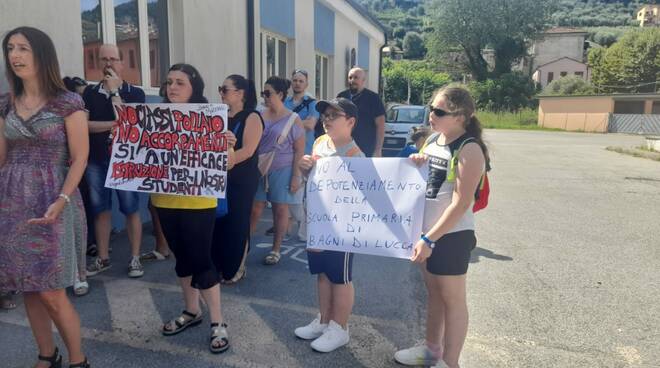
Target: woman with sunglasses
231, 237
282, 183
444, 247
187, 223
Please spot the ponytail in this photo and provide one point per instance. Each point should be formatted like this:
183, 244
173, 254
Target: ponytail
474, 130
249, 91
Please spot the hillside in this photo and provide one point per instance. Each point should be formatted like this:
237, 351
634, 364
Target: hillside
402, 16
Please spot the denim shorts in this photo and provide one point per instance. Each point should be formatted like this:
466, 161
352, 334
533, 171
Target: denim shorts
278, 188
100, 197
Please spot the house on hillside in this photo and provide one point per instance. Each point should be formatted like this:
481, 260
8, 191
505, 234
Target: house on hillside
649, 16
557, 53
546, 73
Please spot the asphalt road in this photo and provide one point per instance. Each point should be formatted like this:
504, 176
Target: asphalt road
566, 274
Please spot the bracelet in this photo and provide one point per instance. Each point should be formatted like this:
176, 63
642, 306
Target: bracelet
65, 197
428, 241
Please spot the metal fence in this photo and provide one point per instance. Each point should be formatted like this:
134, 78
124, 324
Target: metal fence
634, 123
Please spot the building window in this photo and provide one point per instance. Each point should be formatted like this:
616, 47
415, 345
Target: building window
551, 76
274, 56
321, 77
92, 36
127, 33
579, 74
159, 49
563, 74
137, 27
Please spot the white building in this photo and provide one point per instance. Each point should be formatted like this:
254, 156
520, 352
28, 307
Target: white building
255, 38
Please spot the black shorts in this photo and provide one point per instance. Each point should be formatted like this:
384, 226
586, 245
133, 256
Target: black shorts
337, 266
451, 254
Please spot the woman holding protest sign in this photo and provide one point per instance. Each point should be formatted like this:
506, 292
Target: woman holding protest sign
43, 153
282, 146
187, 223
448, 225
231, 237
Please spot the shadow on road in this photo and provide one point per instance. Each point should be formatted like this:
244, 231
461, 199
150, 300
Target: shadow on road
483, 252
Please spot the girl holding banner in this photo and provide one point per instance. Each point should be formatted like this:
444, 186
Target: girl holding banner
231, 236
449, 237
188, 222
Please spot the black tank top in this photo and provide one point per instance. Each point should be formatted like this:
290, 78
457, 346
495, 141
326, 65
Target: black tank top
246, 170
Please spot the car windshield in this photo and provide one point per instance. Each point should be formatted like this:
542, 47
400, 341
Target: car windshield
406, 115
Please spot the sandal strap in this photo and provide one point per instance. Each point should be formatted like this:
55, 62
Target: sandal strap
83, 364
50, 359
181, 320
219, 332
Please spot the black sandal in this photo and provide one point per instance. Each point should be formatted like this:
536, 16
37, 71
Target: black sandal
83, 364
219, 334
55, 360
181, 323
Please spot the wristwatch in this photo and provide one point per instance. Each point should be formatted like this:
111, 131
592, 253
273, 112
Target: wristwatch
114, 94
428, 241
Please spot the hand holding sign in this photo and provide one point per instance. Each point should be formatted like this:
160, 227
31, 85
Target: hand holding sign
360, 205
179, 149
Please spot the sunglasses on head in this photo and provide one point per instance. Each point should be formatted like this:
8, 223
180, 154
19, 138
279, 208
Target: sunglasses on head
225, 89
439, 112
301, 71
266, 94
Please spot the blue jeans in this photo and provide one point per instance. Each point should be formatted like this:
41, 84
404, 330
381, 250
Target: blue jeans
100, 197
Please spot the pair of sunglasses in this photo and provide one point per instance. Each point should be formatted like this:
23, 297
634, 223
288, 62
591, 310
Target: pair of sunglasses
266, 94
301, 71
225, 89
440, 112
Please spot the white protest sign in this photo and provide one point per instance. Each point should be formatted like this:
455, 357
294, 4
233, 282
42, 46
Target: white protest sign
362, 205
178, 149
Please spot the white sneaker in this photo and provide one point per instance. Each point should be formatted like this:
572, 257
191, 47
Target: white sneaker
417, 355
135, 268
313, 330
333, 337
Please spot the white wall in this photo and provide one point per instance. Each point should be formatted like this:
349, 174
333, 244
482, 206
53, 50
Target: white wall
212, 37
305, 55
59, 19
555, 46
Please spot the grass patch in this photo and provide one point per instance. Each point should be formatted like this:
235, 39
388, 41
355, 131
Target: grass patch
525, 119
642, 152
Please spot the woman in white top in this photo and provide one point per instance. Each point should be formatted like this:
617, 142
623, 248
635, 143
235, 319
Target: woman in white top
448, 227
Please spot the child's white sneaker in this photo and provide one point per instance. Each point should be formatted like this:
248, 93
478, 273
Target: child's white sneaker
415, 356
311, 331
333, 337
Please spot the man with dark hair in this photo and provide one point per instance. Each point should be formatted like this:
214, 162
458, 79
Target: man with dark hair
98, 100
369, 133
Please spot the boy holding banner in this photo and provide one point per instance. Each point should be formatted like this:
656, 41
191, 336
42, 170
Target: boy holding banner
329, 329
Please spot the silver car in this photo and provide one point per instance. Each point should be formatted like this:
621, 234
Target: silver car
399, 121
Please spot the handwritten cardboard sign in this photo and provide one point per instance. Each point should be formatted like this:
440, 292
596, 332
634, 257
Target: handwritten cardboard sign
370, 206
178, 149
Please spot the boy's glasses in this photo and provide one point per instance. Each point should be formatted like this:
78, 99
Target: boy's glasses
331, 117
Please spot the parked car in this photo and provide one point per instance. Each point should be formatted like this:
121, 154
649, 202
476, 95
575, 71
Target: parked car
399, 121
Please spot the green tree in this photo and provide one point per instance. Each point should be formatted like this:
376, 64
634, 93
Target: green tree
472, 25
409, 81
511, 92
413, 46
567, 86
630, 65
